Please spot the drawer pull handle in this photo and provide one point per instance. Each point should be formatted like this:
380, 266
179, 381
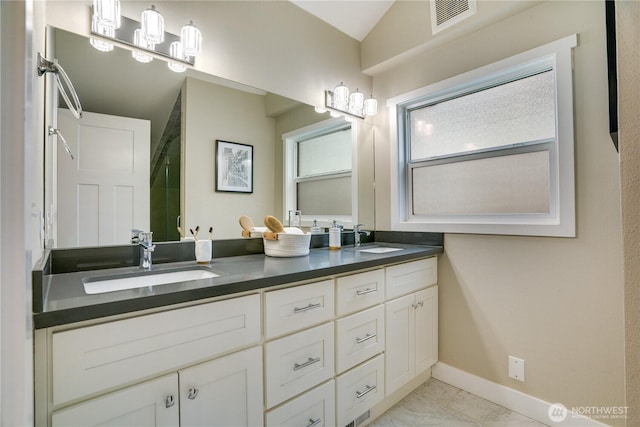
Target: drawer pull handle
193, 393
311, 361
309, 307
368, 390
366, 291
169, 401
367, 337
313, 423
419, 304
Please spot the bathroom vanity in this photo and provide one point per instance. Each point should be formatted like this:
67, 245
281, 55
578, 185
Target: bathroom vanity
332, 338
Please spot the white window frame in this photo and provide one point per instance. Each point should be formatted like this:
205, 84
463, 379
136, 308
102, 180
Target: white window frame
560, 222
290, 162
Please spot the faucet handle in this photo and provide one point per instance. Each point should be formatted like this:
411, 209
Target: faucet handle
356, 228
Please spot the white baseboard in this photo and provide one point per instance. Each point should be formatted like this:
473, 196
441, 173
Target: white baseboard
527, 405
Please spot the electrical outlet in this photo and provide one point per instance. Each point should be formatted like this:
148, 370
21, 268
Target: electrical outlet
516, 368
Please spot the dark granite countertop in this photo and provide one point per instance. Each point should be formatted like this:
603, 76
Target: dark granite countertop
64, 299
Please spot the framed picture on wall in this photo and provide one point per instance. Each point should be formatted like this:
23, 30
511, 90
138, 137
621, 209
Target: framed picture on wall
234, 167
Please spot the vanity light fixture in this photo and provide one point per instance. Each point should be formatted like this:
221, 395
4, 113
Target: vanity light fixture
107, 13
152, 26
139, 41
341, 103
177, 52
147, 37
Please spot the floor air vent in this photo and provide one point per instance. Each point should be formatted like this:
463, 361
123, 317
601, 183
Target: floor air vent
445, 13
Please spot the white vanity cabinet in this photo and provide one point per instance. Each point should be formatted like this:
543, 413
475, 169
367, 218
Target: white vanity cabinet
411, 322
333, 352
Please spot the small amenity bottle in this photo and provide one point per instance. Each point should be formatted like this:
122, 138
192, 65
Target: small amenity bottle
334, 236
315, 228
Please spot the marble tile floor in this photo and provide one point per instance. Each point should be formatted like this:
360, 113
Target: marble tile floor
439, 404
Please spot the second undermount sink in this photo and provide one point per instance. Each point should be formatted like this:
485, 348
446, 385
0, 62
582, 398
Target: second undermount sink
380, 250
99, 285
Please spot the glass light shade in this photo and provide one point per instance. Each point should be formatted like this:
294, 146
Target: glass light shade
97, 28
191, 39
370, 106
175, 50
320, 109
152, 26
107, 13
341, 96
139, 41
356, 100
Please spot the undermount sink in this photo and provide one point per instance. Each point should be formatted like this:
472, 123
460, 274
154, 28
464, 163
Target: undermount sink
100, 285
380, 250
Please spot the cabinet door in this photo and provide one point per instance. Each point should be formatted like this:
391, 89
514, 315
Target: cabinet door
426, 328
400, 352
150, 404
223, 392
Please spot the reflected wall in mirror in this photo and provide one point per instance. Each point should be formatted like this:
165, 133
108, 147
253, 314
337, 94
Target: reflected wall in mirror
186, 112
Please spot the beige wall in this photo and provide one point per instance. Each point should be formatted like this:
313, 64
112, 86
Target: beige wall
213, 112
557, 303
628, 40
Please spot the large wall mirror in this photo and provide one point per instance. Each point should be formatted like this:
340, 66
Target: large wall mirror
180, 117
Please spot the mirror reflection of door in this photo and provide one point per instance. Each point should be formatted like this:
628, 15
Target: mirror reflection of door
104, 192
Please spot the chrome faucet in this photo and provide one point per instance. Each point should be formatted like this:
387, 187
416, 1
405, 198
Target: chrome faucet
356, 234
146, 249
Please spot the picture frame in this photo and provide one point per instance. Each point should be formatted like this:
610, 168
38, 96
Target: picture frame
234, 167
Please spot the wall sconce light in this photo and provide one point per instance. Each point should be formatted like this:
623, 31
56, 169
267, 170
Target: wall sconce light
340, 102
147, 36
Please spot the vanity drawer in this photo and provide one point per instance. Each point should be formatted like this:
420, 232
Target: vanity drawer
359, 337
298, 362
95, 358
315, 408
405, 278
293, 309
359, 291
359, 390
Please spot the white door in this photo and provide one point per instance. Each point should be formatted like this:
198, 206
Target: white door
223, 392
103, 192
150, 404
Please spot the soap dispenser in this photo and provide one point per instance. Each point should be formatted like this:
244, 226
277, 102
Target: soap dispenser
334, 236
315, 228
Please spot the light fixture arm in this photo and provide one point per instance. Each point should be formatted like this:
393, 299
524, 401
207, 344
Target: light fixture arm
329, 104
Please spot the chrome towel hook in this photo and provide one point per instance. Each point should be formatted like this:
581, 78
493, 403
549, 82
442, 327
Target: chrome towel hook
47, 66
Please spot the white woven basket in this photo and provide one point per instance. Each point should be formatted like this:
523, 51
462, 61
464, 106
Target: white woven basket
288, 245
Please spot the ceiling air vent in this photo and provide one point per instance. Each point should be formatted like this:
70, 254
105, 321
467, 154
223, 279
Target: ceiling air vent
445, 13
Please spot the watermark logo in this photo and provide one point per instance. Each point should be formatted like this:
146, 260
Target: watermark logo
557, 412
